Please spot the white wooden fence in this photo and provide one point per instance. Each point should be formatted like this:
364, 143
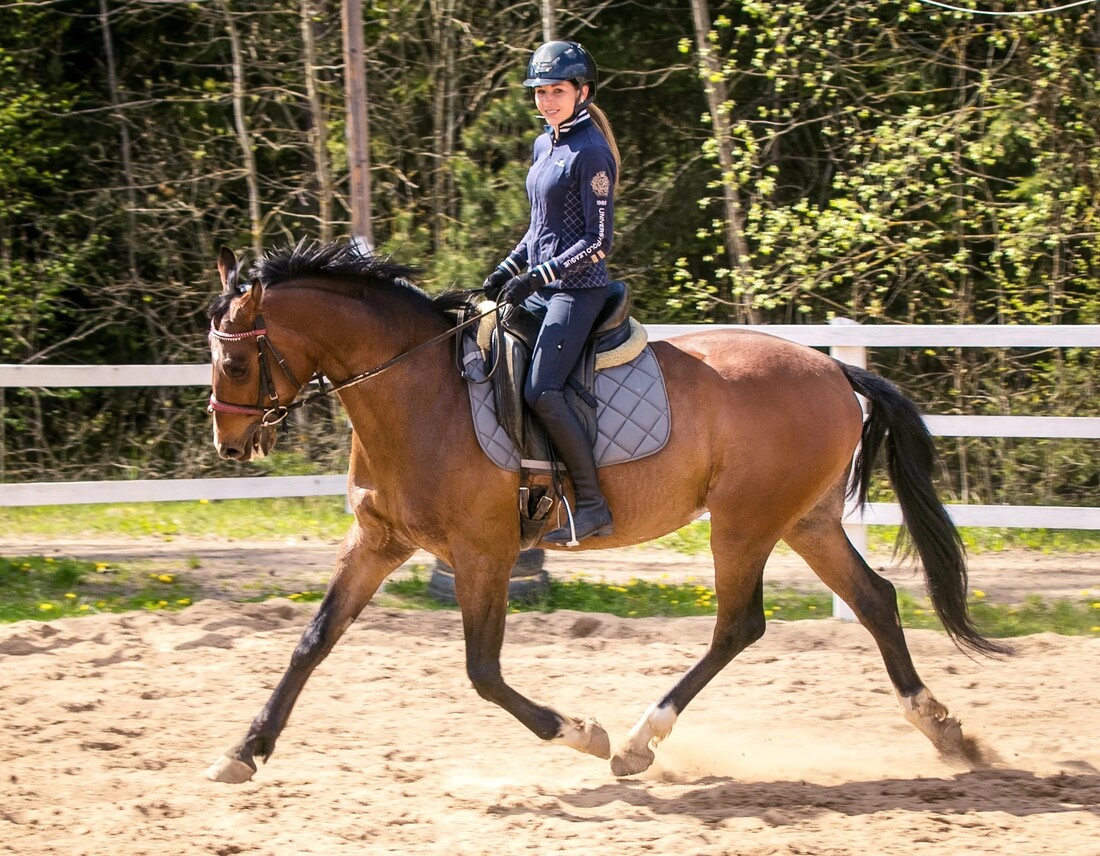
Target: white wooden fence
846, 341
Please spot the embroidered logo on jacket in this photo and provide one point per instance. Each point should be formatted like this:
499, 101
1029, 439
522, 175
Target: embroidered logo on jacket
601, 184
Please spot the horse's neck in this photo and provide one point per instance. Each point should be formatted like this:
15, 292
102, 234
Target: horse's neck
352, 340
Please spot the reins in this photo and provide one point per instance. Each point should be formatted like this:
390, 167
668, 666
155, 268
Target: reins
271, 416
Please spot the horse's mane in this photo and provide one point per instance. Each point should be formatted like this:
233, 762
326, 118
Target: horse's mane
338, 264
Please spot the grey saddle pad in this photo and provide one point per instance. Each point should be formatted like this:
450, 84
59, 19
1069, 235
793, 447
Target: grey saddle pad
632, 412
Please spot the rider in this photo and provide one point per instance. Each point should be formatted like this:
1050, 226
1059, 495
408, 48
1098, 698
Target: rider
571, 186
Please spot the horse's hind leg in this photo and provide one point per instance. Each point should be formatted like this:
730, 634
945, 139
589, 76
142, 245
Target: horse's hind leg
360, 570
739, 589
819, 538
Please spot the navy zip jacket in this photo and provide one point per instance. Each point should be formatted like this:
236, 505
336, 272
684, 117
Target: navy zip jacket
571, 189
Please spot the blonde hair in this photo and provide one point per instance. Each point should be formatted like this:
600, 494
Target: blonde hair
602, 122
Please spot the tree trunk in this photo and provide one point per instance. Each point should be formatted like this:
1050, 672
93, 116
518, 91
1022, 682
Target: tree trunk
358, 125
549, 20
318, 130
243, 135
714, 85
123, 138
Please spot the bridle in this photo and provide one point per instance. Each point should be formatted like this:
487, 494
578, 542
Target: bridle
269, 416
275, 413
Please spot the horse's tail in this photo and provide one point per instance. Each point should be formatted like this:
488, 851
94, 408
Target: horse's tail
896, 423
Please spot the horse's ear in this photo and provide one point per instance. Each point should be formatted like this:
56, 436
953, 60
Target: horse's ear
227, 269
248, 304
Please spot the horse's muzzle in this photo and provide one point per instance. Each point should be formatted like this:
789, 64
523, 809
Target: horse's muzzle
256, 443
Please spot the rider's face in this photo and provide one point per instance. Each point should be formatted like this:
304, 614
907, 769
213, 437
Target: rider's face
556, 102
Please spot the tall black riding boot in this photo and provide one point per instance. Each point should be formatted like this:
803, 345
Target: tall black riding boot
591, 516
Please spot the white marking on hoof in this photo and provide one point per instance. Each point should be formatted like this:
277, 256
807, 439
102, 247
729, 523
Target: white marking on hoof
636, 752
230, 771
585, 735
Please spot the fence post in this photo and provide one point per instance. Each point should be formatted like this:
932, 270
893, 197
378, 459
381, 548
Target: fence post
853, 355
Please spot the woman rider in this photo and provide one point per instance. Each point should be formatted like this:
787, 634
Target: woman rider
558, 268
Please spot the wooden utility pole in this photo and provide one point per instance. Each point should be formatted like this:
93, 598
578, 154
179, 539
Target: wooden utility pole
358, 126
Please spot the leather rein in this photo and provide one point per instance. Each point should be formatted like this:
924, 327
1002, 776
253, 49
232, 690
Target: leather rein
275, 413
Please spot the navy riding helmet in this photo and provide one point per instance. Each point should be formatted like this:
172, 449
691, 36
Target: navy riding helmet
554, 62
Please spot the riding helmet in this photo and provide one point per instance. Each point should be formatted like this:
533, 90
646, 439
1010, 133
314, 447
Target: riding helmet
554, 62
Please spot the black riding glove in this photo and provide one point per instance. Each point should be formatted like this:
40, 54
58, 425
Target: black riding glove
494, 282
518, 288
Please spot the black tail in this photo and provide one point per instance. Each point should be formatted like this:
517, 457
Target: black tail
896, 424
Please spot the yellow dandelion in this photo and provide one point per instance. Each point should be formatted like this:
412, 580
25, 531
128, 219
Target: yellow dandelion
918, 612
84, 607
70, 595
49, 560
294, 596
45, 607
101, 567
1096, 604
633, 612
1095, 629
204, 502
184, 601
768, 613
162, 603
101, 603
813, 608
978, 593
166, 578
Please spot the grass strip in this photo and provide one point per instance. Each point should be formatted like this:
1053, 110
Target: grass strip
326, 518
42, 588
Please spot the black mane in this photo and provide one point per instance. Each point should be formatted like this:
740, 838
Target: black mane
340, 259
341, 262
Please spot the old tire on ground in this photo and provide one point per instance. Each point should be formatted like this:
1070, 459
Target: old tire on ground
529, 580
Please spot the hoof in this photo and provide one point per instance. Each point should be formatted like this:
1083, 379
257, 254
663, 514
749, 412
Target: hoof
586, 736
949, 740
230, 771
630, 762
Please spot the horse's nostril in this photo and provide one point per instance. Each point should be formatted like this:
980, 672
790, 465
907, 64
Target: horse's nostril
229, 453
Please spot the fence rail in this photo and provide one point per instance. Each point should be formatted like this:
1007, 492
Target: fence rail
846, 341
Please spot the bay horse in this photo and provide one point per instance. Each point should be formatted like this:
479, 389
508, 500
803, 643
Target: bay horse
763, 436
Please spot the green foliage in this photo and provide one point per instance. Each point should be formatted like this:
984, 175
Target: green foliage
320, 517
916, 169
666, 599
889, 165
998, 621
41, 589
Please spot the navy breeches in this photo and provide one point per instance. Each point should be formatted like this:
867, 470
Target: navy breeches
570, 315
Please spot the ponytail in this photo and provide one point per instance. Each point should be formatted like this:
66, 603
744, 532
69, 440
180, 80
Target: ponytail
601, 121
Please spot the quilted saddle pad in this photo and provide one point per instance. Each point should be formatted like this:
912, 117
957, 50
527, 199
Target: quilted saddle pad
632, 414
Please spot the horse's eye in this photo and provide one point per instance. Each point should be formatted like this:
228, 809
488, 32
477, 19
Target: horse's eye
237, 371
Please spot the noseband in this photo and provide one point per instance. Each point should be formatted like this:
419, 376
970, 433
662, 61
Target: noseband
269, 416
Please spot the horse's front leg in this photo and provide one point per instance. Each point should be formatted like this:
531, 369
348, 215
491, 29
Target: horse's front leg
481, 588
360, 570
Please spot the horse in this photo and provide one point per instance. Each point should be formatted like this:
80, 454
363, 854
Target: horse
767, 436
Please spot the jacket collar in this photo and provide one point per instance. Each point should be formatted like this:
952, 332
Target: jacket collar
578, 118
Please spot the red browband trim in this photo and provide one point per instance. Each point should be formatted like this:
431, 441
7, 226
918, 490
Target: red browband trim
234, 337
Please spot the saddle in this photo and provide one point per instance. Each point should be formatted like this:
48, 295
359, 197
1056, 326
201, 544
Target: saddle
615, 340
511, 352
